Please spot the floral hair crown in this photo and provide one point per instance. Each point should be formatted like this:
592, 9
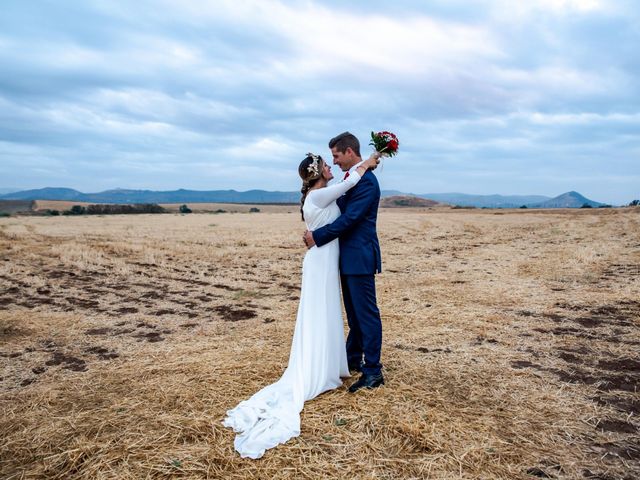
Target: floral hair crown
314, 167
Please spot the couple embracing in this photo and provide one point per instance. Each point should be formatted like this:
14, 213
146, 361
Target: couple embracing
343, 253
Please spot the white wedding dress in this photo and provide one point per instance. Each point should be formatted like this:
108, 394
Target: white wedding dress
318, 356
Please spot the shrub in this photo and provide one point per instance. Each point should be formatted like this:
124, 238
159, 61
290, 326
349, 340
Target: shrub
254, 210
78, 210
75, 210
185, 209
4, 214
586, 205
150, 208
111, 209
523, 206
51, 212
635, 203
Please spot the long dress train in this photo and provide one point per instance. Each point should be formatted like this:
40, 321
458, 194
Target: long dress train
318, 357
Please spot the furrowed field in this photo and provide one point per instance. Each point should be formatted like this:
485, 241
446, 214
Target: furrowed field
511, 343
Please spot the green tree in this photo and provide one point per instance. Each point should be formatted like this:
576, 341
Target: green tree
78, 210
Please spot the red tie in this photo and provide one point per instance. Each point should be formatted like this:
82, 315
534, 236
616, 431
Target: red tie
346, 175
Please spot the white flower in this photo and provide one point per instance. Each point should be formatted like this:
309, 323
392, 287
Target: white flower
315, 165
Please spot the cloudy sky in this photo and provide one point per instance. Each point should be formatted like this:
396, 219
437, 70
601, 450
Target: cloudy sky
486, 96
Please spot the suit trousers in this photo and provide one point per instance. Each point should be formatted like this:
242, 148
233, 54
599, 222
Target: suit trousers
363, 317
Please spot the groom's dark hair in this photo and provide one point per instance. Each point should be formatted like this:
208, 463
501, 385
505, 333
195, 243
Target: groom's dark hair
345, 140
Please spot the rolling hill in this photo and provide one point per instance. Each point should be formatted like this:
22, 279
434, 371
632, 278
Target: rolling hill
400, 201
123, 196
567, 200
485, 201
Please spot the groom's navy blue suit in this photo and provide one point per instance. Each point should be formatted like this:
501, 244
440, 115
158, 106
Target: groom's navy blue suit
359, 262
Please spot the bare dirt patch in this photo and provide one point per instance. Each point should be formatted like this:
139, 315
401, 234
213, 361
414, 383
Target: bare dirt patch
67, 361
234, 314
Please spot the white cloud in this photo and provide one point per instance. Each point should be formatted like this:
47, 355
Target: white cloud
268, 149
400, 46
561, 6
565, 80
521, 10
586, 118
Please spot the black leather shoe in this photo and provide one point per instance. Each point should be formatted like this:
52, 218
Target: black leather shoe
367, 381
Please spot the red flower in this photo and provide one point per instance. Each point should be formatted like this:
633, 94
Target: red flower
385, 142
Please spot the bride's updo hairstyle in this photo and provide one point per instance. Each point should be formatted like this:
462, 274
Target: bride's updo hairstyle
310, 171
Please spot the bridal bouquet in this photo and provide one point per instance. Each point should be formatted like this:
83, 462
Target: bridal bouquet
385, 143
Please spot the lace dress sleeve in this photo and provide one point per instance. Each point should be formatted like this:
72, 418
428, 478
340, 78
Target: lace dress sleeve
323, 197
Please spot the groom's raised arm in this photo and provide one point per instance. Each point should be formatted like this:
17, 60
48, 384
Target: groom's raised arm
357, 207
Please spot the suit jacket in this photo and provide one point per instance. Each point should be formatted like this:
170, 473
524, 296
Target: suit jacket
356, 229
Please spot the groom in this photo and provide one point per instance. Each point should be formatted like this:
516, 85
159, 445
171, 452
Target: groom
359, 262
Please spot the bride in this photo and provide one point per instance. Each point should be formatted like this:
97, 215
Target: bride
318, 357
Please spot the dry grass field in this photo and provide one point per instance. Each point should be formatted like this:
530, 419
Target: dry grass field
511, 343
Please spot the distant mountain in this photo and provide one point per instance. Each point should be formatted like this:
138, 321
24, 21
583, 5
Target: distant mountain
567, 200
399, 201
4, 191
391, 193
45, 194
122, 196
486, 201
192, 196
